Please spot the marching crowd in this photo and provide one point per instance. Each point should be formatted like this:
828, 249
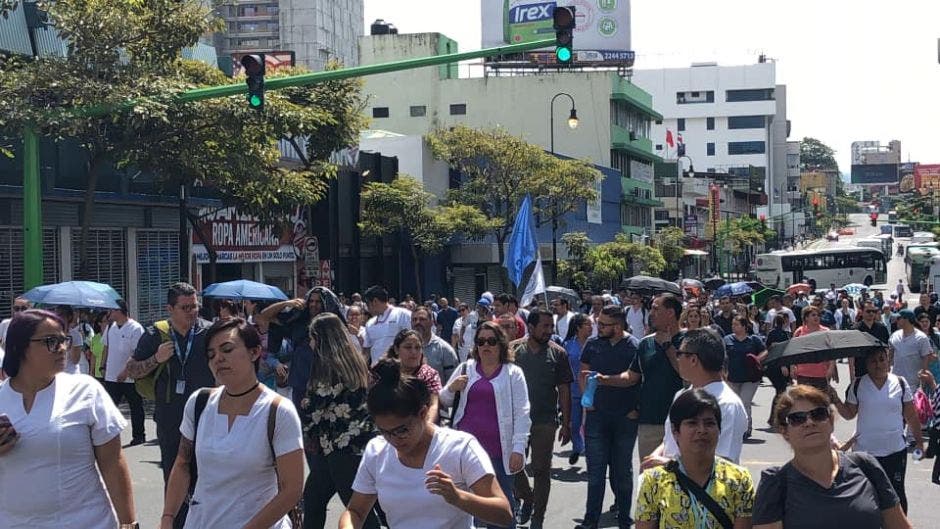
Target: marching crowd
442, 415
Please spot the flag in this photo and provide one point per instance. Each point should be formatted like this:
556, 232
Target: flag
536, 284
522, 243
669, 140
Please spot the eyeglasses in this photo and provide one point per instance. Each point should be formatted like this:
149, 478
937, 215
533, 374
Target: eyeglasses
53, 343
400, 432
20, 308
797, 418
491, 341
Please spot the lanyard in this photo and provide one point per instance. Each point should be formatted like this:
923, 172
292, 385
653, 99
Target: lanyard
184, 355
701, 512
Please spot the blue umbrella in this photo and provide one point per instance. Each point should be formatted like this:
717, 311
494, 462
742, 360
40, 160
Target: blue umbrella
244, 289
734, 289
86, 294
854, 289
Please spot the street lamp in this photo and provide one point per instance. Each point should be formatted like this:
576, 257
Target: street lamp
572, 124
680, 212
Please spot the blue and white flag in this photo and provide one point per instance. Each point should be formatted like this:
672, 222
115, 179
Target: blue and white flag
522, 243
536, 284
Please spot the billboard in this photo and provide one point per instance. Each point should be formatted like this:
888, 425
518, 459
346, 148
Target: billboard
240, 238
875, 174
601, 36
927, 176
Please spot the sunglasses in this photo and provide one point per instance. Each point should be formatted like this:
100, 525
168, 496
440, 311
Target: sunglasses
53, 343
797, 418
491, 341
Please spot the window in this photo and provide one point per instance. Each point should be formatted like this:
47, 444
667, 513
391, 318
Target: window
680, 124
418, 111
746, 122
659, 146
710, 123
689, 98
458, 109
746, 147
659, 122
709, 149
380, 112
626, 117
750, 94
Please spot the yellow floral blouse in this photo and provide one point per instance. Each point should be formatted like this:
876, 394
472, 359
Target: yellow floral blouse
661, 498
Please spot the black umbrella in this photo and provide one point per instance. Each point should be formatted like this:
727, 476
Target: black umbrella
562, 292
651, 285
713, 283
822, 346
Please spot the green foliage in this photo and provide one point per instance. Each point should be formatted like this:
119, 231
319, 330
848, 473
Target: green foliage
575, 269
605, 265
743, 232
670, 242
815, 154
847, 204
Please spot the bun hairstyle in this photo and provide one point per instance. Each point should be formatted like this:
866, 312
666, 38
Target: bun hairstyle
396, 393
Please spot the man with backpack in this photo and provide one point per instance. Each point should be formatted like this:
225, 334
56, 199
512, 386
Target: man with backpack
169, 365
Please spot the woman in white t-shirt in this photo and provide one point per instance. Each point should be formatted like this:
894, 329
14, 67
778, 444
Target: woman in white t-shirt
424, 476
61, 463
249, 476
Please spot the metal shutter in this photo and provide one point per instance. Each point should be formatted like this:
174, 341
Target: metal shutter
465, 285
158, 267
107, 257
11, 263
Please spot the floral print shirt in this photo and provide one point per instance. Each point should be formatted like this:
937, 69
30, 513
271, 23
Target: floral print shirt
337, 419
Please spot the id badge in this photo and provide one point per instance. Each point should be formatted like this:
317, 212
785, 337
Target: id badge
180, 387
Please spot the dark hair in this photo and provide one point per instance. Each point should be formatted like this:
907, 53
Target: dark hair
400, 338
723, 298
376, 292
21, 330
779, 321
807, 310
563, 300
574, 324
708, 346
424, 308
671, 301
122, 306
503, 298
535, 316
505, 355
743, 321
228, 305
616, 313
65, 311
690, 404
247, 333
396, 393
179, 289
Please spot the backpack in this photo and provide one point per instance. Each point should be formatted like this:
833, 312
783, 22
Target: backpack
923, 407
146, 386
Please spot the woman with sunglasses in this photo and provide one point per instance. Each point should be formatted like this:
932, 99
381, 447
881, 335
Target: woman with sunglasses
882, 401
336, 421
407, 348
61, 462
425, 477
814, 374
822, 488
493, 404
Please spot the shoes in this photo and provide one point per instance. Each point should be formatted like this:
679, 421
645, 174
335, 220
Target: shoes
585, 525
525, 513
137, 441
573, 458
536, 524
747, 435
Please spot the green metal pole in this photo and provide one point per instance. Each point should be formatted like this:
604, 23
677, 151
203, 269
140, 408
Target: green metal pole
32, 211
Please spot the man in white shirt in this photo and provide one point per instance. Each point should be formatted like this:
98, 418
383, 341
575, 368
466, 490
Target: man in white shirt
77, 359
384, 324
910, 348
701, 359
776, 307
637, 317
120, 340
563, 315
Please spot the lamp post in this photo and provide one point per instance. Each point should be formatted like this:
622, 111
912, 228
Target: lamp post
572, 124
681, 213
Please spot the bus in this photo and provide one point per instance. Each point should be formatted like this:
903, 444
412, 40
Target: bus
832, 265
922, 237
917, 260
884, 243
902, 230
892, 217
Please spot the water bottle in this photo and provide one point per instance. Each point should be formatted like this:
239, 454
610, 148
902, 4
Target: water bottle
917, 455
587, 398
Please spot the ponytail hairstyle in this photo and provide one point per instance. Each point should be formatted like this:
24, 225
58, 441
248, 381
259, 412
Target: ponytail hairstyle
396, 393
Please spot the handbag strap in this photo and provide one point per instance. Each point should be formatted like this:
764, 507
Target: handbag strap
701, 495
453, 409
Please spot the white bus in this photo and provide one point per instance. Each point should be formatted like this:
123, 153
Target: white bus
885, 243
922, 237
832, 265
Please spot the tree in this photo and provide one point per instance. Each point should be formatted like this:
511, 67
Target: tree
131, 53
604, 265
499, 169
816, 155
575, 268
403, 206
670, 242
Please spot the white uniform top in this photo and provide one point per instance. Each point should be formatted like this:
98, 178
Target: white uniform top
4, 325
880, 423
638, 320
49, 480
733, 423
382, 328
121, 343
78, 339
401, 491
237, 477
561, 324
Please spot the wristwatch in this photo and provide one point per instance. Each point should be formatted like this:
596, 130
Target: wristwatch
132, 525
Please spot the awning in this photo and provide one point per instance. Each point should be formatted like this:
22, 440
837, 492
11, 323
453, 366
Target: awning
696, 252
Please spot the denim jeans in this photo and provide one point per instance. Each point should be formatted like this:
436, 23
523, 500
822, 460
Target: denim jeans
577, 414
609, 440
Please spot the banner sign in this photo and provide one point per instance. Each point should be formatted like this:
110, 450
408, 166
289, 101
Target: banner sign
239, 238
927, 176
875, 174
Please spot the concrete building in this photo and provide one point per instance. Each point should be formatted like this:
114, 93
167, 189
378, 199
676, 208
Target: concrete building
317, 31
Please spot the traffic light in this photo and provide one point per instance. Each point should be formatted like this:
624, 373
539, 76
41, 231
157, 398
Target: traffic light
254, 77
763, 222
563, 22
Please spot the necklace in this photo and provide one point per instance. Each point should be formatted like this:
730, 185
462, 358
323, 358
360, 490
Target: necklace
242, 394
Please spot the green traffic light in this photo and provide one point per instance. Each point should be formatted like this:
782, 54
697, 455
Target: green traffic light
563, 54
254, 101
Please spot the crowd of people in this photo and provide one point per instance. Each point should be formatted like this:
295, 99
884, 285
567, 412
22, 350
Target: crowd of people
446, 415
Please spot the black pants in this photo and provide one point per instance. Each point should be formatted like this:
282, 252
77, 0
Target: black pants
330, 474
935, 450
895, 466
126, 391
168, 419
780, 383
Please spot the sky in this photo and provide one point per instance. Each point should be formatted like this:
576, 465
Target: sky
854, 69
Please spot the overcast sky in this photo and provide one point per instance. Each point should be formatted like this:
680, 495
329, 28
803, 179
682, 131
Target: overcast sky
854, 69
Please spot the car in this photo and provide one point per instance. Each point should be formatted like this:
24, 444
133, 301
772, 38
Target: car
846, 231
832, 236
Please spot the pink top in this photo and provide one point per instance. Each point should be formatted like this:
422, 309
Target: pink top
430, 377
479, 416
815, 370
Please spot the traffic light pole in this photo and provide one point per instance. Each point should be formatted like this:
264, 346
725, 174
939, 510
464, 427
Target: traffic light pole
32, 197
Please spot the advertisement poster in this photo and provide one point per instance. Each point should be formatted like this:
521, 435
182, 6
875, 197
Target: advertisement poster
239, 238
601, 36
927, 176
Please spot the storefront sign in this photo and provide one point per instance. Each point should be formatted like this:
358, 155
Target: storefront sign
240, 238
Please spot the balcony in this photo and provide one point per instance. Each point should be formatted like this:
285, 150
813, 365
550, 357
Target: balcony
636, 147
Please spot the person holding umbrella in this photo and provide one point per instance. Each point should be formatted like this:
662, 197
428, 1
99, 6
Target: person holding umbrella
814, 374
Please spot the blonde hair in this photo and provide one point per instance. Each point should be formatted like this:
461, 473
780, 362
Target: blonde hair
335, 359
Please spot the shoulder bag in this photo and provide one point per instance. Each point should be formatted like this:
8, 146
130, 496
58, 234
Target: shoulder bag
456, 404
146, 386
296, 514
693, 488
